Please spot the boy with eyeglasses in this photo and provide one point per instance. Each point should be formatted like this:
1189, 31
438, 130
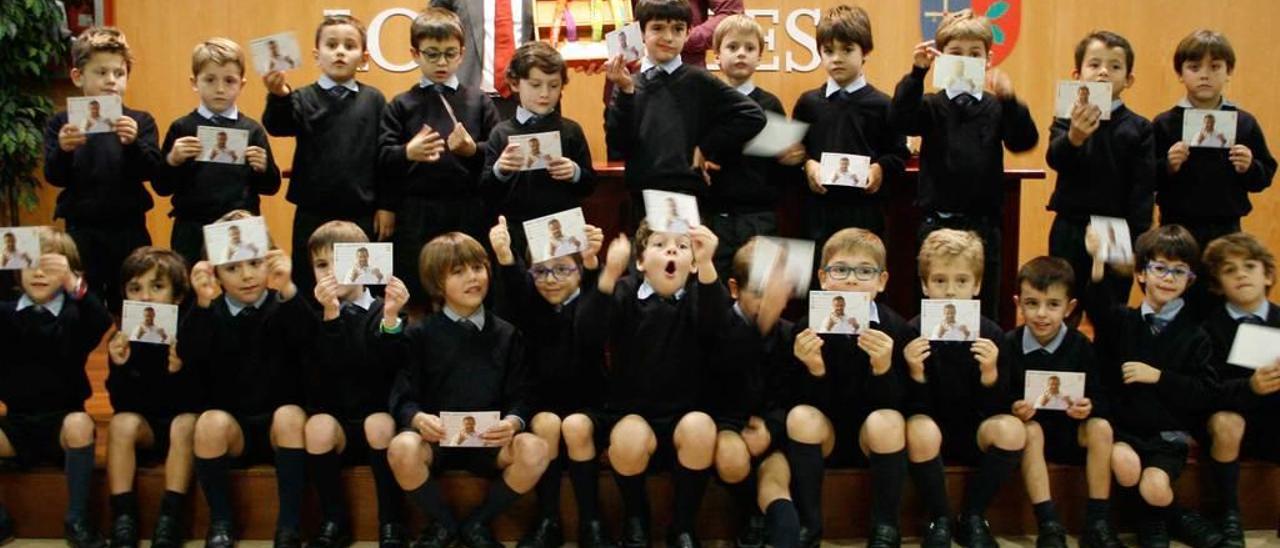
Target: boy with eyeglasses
1156, 362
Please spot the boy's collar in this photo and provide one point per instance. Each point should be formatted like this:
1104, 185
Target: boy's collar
1116, 104
236, 307
953, 93
645, 291
364, 301
232, 113
1168, 313
523, 114
857, 84
1030, 344
571, 298
54, 305
746, 88
1222, 103
1236, 313
667, 67
451, 83
326, 83
476, 317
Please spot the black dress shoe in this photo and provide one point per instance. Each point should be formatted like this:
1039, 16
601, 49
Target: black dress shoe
546, 534
682, 540
332, 535
436, 536
1051, 535
591, 534
635, 533
1153, 533
752, 534
1099, 534
1191, 527
168, 533
80, 534
938, 535
884, 535
809, 538
221, 535
124, 531
287, 538
6, 526
477, 535
974, 532
393, 535
1232, 530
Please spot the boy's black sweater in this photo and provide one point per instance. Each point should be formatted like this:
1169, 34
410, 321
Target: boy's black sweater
448, 368
350, 370
335, 164
566, 370
144, 385
203, 191
450, 177
102, 180
1182, 352
657, 343
532, 194
1074, 355
745, 370
44, 356
1207, 185
857, 124
952, 393
250, 363
656, 128
750, 183
961, 149
1112, 173
1233, 381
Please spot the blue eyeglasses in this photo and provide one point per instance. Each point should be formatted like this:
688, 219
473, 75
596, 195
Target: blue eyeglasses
1160, 270
559, 272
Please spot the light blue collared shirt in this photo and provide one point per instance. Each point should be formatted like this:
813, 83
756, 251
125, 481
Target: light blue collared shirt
1116, 104
667, 67
1030, 344
54, 305
1186, 103
875, 313
833, 87
1238, 313
236, 307
476, 317
232, 113
746, 88
1168, 313
645, 291
737, 309
451, 83
326, 83
571, 298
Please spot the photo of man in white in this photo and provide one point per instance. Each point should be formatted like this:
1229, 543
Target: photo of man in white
238, 250
11, 258
220, 152
560, 244
838, 322
362, 273
96, 123
468, 436
279, 61
675, 223
148, 331
949, 329
1209, 135
843, 176
1053, 398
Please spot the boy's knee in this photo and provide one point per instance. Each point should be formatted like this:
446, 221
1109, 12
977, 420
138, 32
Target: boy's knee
1125, 465
321, 434
1226, 427
577, 429
288, 419
1098, 433
124, 429
405, 451
885, 431
213, 423
1034, 434
182, 430
924, 438
530, 451
546, 424
733, 459
1155, 487
1005, 432
379, 428
630, 444
77, 430
696, 425
806, 424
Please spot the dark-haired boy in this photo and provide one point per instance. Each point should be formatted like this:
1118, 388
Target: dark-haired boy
1105, 167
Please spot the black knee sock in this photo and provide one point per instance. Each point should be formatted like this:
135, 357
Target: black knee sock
215, 480
291, 480
806, 482
1096, 510
585, 477
1226, 475
783, 524
390, 496
996, 465
743, 494
499, 498
888, 472
326, 474
427, 498
171, 504
79, 470
548, 489
931, 484
635, 495
689, 486
124, 504
1045, 512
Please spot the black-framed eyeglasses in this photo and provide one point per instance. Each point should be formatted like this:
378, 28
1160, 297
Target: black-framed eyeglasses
862, 272
559, 272
1160, 270
434, 55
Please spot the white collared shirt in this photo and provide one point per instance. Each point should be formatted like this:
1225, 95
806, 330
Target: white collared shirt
364, 301
1116, 104
667, 67
232, 113
833, 87
490, 39
953, 93
1186, 103
451, 83
54, 305
1030, 344
746, 88
326, 83
1168, 313
236, 307
645, 291
476, 317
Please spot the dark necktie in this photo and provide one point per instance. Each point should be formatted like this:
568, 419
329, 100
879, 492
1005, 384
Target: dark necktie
339, 92
841, 95
655, 75
221, 120
247, 312
1251, 319
964, 100
468, 325
1157, 323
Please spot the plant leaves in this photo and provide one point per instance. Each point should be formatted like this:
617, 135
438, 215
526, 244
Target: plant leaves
997, 9
997, 34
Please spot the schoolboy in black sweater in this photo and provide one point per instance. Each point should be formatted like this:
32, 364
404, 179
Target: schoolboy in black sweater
962, 141
103, 199
48, 334
652, 389
1157, 372
844, 385
461, 358
567, 371
955, 402
204, 191
1104, 167
537, 75
155, 399
337, 123
244, 336
1078, 434
672, 123
347, 377
427, 152
848, 116
1242, 270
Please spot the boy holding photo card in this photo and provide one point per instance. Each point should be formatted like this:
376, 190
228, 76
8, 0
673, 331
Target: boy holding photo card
19, 247
1045, 345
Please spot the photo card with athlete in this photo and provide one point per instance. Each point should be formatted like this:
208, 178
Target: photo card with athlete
839, 312
786, 259
627, 41
276, 52
1053, 390
951, 319
670, 211
556, 235
1209, 128
222, 145
235, 241
1255, 346
1113, 237
538, 149
959, 73
463, 428
1075, 92
19, 247
94, 113
362, 263
844, 170
155, 323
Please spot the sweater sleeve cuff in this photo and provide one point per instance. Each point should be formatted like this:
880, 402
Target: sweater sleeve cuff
504, 177
918, 72
518, 420
393, 330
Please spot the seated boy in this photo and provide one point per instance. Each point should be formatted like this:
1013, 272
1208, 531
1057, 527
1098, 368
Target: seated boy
847, 394
244, 334
47, 335
461, 357
956, 398
1082, 433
